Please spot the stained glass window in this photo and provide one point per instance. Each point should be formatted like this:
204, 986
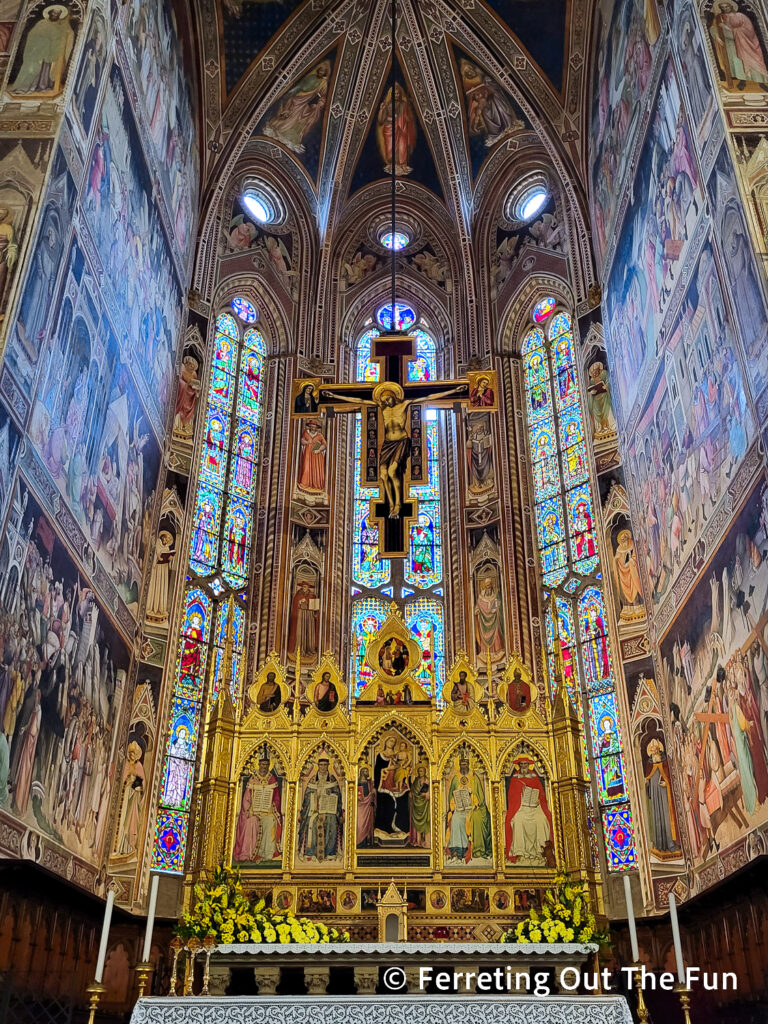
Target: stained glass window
404, 317
396, 240
219, 554
245, 310
567, 544
423, 569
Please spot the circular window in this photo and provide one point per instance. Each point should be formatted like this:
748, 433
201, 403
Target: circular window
261, 204
543, 309
531, 203
396, 240
404, 317
245, 310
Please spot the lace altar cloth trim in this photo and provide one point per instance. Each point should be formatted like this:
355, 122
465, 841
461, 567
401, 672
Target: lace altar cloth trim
410, 948
416, 1009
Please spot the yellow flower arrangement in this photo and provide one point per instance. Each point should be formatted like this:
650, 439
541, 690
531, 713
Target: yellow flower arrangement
564, 917
223, 910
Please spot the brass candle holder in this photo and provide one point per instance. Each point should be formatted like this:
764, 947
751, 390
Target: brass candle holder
143, 971
642, 1010
95, 991
176, 946
209, 944
194, 945
684, 994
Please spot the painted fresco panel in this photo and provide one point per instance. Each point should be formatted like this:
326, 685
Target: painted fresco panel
61, 690
93, 437
627, 34
744, 278
145, 297
37, 305
715, 669
651, 249
153, 42
693, 431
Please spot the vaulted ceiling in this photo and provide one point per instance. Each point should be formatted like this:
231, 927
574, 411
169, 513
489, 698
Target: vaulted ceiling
304, 81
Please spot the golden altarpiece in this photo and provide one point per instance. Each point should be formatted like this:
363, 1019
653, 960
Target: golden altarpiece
468, 791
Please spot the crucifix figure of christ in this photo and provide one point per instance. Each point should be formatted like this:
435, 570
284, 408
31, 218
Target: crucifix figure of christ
394, 440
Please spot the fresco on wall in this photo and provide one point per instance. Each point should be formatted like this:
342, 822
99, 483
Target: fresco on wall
9, 13
490, 114
740, 54
296, 119
147, 297
40, 68
651, 248
35, 311
137, 755
693, 431
94, 439
153, 42
89, 75
696, 77
9, 451
743, 275
22, 168
715, 664
627, 34
61, 687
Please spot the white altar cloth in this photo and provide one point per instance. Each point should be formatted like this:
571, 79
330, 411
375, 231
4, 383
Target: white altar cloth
382, 1009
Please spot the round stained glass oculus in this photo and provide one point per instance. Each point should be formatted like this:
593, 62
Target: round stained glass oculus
259, 205
396, 240
531, 203
404, 318
245, 310
543, 309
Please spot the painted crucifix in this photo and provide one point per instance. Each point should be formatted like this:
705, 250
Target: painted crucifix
393, 453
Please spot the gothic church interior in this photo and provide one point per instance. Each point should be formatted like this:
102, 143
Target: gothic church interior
383, 479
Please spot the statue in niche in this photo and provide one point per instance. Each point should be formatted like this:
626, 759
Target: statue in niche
600, 401
626, 575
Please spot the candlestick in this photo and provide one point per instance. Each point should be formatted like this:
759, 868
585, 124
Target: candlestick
642, 1010
99, 975
94, 991
150, 917
684, 995
143, 971
676, 939
631, 919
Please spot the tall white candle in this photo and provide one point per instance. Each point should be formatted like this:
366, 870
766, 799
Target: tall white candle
676, 939
150, 917
631, 919
104, 936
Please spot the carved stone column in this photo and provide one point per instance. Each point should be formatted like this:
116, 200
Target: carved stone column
218, 979
267, 979
366, 980
316, 980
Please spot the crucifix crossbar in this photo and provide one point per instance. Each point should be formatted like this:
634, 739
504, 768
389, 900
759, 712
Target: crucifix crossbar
393, 454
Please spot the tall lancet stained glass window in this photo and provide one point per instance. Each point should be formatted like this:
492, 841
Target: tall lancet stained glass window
373, 581
213, 625
570, 564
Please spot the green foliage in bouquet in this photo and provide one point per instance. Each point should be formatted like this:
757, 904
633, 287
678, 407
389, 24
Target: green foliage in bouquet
223, 910
565, 916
